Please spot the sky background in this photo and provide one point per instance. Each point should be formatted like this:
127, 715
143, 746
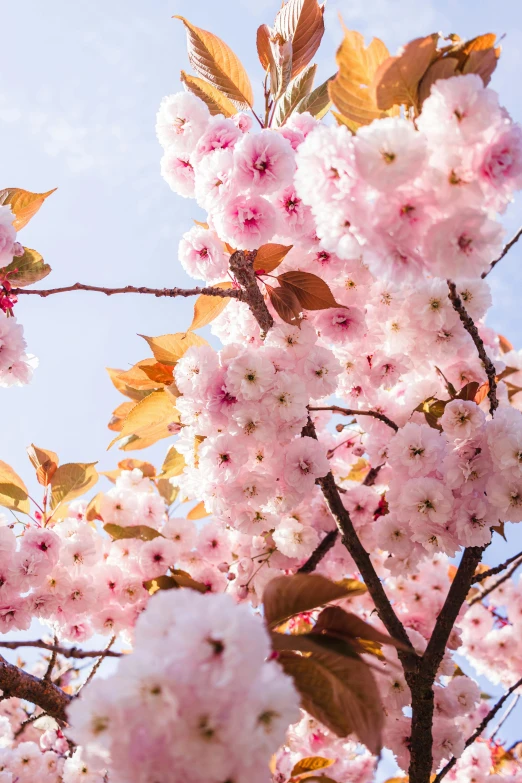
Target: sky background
80, 89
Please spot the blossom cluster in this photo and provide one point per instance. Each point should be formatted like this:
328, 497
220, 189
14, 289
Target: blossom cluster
196, 692
16, 366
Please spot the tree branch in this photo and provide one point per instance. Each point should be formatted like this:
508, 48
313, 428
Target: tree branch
130, 289
317, 555
496, 569
496, 584
17, 682
242, 266
350, 412
476, 734
506, 250
67, 652
469, 326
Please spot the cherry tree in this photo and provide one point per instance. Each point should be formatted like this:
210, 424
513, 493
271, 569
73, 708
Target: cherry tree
347, 454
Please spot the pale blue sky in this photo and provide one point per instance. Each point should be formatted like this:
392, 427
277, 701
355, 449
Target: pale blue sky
80, 88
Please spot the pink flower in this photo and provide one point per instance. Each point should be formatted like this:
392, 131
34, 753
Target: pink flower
305, 460
340, 325
181, 120
463, 245
221, 134
462, 419
202, 256
246, 222
178, 173
263, 162
389, 152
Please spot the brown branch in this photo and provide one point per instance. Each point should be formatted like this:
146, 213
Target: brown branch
469, 326
478, 731
496, 569
242, 266
331, 537
496, 584
130, 289
363, 562
19, 683
98, 663
506, 250
350, 412
67, 652
32, 718
317, 555
52, 661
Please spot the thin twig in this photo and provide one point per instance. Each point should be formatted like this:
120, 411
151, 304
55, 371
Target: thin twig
321, 550
496, 584
54, 654
506, 250
67, 652
505, 716
496, 569
350, 412
98, 664
470, 327
130, 289
34, 717
476, 734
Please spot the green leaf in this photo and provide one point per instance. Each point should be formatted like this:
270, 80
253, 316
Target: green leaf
317, 103
27, 269
296, 91
143, 532
72, 480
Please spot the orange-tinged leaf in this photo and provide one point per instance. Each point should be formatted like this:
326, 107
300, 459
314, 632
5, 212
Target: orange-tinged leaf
486, 41
482, 393
168, 491
45, 463
198, 512
349, 89
161, 374
206, 308
173, 464
137, 378
92, 511
13, 492
335, 621
264, 51
148, 470
302, 23
310, 764
169, 348
269, 256
24, 204
150, 419
216, 101
482, 62
212, 59
504, 344
72, 480
27, 269
201, 225
286, 304
178, 579
312, 291
286, 596
339, 691
122, 387
142, 532
440, 69
396, 81
112, 475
